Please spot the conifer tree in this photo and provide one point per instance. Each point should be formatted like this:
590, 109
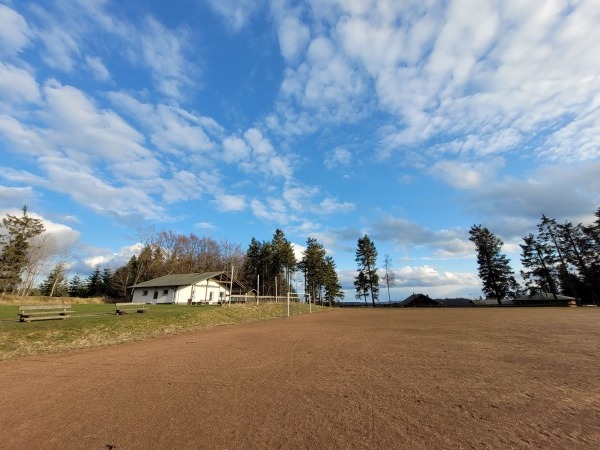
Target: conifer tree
366, 257
55, 284
313, 266
494, 267
14, 247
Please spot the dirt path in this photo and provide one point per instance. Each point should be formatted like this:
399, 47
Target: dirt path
462, 378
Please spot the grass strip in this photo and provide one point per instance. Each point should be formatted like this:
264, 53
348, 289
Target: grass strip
94, 325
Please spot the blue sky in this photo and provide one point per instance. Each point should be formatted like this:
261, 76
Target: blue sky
409, 121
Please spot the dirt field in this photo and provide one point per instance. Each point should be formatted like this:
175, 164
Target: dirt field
437, 378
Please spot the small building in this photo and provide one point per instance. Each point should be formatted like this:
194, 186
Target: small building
418, 301
209, 288
545, 299
457, 302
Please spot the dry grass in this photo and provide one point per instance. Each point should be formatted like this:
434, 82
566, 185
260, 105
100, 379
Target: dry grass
43, 300
94, 325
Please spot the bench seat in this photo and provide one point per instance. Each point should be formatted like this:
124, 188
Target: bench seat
124, 308
29, 313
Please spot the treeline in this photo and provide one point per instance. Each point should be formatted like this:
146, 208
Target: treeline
560, 259
269, 267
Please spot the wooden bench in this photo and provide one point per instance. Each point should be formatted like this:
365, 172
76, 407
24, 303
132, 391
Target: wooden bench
124, 308
43, 312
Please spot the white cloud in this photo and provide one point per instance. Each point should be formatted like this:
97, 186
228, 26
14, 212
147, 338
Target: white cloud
163, 51
17, 85
293, 37
332, 206
235, 12
12, 196
97, 68
14, 31
205, 226
225, 202
235, 150
75, 180
465, 175
338, 157
113, 259
427, 276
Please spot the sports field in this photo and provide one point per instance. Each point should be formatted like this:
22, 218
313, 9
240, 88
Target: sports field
349, 378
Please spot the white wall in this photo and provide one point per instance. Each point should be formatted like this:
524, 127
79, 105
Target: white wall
203, 293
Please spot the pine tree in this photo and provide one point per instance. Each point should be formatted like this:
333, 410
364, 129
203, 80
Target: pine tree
494, 267
366, 257
313, 266
331, 283
94, 284
55, 284
539, 266
77, 287
361, 284
283, 261
15, 246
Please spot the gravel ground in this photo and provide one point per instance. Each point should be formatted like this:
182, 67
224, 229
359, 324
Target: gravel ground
350, 378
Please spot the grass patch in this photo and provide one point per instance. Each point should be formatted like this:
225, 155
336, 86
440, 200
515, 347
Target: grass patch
94, 325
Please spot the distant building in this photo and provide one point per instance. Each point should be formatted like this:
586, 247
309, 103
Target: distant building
419, 300
545, 299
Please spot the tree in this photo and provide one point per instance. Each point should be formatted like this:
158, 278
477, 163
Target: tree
331, 283
494, 267
539, 266
15, 247
55, 284
366, 257
94, 286
77, 287
314, 266
361, 284
389, 276
283, 261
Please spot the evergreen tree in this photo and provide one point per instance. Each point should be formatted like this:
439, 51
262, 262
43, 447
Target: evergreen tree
366, 257
107, 283
94, 286
539, 266
331, 283
77, 287
283, 261
494, 267
55, 284
313, 265
252, 263
361, 284
15, 246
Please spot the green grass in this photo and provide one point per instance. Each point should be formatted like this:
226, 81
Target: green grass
93, 325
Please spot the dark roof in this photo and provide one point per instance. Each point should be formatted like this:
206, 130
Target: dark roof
419, 299
456, 302
178, 280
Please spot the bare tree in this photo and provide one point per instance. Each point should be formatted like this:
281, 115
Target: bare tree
389, 276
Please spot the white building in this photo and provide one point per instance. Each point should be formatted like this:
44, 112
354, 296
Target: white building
209, 288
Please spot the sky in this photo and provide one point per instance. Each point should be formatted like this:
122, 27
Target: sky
409, 121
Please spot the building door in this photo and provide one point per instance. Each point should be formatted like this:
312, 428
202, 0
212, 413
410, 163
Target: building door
155, 295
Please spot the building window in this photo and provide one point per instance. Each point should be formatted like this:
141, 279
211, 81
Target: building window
165, 292
145, 293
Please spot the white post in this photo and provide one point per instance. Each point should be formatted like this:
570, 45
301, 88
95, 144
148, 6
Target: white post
257, 288
231, 286
276, 290
288, 304
309, 305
